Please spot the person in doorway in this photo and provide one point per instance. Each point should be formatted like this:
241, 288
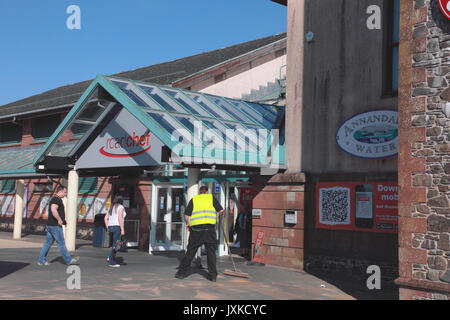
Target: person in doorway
56, 219
200, 217
114, 222
243, 228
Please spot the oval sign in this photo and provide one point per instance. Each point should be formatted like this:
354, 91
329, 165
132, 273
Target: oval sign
370, 135
445, 7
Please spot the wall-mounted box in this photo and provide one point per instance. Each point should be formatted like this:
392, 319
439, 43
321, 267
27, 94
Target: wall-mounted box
290, 217
256, 213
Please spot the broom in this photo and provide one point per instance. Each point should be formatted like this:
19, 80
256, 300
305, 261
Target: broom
236, 272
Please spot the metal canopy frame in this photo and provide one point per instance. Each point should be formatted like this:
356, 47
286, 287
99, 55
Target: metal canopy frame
163, 108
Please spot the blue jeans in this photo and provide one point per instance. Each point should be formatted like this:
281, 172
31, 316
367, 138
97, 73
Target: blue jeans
54, 233
115, 230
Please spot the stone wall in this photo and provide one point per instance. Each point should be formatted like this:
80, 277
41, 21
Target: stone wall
424, 158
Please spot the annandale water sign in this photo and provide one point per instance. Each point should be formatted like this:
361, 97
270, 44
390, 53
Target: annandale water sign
370, 135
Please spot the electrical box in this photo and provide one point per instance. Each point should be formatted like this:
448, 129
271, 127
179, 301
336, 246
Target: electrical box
290, 217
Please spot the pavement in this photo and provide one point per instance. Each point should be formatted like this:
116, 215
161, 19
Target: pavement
144, 276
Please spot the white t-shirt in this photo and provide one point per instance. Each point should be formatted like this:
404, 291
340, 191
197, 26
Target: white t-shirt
113, 219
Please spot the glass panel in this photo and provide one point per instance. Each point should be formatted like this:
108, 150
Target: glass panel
259, 117
190, 106
171, 125
137, 97
265, 110
188, 122
209, 106
239, 116
241, 132
79, 129
161, 236
92, 111
167, 103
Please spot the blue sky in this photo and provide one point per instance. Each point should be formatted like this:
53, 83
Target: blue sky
38, 52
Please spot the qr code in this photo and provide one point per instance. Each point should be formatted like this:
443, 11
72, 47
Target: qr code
334, 206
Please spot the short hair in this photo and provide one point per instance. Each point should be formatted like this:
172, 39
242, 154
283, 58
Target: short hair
118, 199
203, 189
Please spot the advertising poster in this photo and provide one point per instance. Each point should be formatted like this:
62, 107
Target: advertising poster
85, 208
357, 206
7, 205
101, 205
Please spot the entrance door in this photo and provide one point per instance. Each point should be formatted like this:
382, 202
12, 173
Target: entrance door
167, 222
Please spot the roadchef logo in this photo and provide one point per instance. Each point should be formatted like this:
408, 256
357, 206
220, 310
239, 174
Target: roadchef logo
371, 134
126, 146
445, 7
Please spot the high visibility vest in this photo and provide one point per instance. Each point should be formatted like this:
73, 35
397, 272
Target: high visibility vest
203, 211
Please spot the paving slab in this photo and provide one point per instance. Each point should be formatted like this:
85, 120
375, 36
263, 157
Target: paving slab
144, 276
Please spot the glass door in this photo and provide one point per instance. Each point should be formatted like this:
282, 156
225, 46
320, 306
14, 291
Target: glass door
167, 222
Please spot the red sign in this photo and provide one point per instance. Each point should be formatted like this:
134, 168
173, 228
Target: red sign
358, 206
127, 144
445, 7
258, 247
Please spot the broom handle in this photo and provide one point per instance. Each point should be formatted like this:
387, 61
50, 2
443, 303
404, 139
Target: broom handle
228, 246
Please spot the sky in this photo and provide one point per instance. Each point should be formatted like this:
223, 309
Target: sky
38, 52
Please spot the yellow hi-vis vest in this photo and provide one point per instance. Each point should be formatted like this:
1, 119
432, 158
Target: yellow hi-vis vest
203, 211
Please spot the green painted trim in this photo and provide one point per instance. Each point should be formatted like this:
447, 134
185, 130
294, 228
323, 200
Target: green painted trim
11, 143
67, 120
17, 171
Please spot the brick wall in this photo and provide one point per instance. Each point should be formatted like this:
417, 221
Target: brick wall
283, 244
424, 144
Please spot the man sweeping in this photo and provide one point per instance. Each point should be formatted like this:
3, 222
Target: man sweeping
200, 217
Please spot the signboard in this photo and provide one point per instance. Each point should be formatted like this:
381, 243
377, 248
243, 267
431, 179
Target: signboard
370, 135
256, 213
125, 142
358, 206
257, 257
43, 206
85, 208
444, 5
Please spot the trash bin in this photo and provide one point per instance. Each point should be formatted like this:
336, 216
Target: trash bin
101, 237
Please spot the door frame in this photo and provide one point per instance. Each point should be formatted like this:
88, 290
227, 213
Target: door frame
154, 216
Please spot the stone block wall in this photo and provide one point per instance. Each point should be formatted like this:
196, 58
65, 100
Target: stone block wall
424, 156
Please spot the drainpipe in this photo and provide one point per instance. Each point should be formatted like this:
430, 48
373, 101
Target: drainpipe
18, 210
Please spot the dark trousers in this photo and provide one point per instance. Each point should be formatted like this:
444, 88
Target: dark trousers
198, 237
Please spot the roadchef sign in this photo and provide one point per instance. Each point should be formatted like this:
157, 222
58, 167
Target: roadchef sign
370, 135
445, 7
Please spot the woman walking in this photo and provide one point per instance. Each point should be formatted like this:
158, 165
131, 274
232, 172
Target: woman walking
114, 222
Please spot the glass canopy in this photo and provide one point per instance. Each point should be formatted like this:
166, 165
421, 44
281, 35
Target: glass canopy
204, 124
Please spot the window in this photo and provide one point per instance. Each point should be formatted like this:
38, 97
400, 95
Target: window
43, 127
88, 185
8, 186
10, 133
391, 46
43, 187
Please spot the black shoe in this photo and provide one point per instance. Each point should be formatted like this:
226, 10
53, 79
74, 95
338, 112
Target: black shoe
212, 278
180, 275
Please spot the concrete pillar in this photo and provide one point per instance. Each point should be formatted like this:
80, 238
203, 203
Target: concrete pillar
192, 190
18, 211
71, 210
294, 85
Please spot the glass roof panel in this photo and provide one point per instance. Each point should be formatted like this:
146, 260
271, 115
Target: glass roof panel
172, 126
221, 102
187, 103
162, 98
209, 106
264, 116
138, 97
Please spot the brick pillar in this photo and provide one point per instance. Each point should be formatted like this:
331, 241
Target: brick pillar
423, 202
27, 138
283, 244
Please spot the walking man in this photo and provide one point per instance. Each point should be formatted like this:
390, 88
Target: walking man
200, 217
56, 219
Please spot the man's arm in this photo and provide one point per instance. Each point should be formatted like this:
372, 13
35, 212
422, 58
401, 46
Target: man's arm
54, 210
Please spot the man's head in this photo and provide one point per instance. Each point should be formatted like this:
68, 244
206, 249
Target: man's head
61, 191
203, 189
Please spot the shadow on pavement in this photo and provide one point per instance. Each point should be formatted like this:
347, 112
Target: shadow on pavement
7, 267
358, 288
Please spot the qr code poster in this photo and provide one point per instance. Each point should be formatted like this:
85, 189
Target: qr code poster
357, 206
334, 206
